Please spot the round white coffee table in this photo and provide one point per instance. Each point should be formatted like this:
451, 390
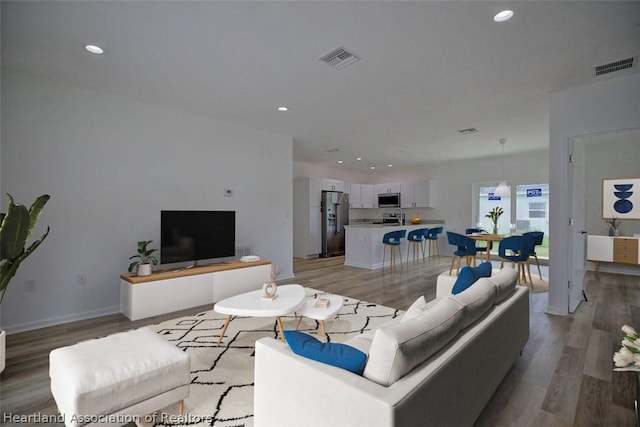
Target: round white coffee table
321, 314
251, 304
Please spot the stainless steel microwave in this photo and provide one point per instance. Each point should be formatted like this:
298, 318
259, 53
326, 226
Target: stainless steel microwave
389, 200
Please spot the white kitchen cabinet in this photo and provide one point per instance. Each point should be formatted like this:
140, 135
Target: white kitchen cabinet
315, 231
355, 196
416, 194
387, 188
332, 185
369, 196
423, 196
407, 195
306, 217
315, 191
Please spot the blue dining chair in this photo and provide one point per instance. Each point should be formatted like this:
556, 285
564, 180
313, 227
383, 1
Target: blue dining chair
393, 239
520, 249
466, 248
478, 248
416, 239
537, 236
432, 237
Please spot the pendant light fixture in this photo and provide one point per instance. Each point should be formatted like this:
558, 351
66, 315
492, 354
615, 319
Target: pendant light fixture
502, 189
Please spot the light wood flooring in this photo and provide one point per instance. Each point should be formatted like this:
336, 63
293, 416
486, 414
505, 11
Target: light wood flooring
564, 377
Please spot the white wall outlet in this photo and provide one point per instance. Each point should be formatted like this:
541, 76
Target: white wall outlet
30, 286
228, 192
81, 279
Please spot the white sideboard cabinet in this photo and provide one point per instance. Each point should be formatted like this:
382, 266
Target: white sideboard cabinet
620, 250
173, 290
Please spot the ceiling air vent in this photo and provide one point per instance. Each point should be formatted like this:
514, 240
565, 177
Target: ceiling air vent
339, 58
612, 67
468, 131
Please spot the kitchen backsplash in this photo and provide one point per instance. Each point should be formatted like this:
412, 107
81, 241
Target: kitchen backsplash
374, 215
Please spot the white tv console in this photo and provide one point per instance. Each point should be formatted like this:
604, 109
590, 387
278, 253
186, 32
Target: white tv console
172, 290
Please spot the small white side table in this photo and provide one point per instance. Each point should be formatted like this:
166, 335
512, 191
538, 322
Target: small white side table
251, 304
319, 313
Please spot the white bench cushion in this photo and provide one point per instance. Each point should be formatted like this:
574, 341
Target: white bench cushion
104, 375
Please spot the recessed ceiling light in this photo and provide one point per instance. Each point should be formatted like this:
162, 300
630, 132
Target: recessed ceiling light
94, 49
358, 158
390, 166
340, 161
283, 108
372, 167
503, 16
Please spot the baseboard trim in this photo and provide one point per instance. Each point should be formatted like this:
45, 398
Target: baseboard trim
606, 267
30, 326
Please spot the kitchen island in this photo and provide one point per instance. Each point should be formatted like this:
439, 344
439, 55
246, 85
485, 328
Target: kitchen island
363, 245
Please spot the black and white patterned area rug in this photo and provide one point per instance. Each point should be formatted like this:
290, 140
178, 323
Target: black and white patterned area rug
221, 390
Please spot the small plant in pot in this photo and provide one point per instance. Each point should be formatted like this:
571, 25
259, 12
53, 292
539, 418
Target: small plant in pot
142, 265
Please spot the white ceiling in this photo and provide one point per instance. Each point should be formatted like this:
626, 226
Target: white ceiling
427, 69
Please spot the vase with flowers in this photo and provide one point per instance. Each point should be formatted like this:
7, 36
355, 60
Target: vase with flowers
628, 357
494, 216
613, 225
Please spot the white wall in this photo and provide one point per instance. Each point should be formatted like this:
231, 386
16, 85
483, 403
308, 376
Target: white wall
110, 164
609, 156
606, 106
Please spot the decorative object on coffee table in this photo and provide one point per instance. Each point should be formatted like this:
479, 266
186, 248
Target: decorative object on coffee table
270, 288
321, 308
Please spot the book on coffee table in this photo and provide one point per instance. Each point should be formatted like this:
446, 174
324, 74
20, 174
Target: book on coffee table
322, 302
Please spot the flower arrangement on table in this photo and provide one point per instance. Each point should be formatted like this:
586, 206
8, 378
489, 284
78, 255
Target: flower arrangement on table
612, 225
494, 216
629, 354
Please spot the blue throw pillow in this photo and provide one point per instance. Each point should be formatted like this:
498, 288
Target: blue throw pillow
339, 355
484, 269
469, 275
466, 278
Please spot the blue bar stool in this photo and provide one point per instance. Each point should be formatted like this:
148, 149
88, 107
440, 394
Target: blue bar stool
432, 237
393, 239
416, 239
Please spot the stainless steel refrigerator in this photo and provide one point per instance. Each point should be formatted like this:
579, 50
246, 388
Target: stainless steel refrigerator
335, 215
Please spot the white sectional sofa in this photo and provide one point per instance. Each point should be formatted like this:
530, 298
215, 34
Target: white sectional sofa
450, 388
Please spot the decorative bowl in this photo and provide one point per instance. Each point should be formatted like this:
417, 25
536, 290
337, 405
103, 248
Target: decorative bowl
416, 220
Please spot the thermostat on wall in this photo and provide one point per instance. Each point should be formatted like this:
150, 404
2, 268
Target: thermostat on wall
228, 192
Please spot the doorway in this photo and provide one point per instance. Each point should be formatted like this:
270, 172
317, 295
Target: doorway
594, 158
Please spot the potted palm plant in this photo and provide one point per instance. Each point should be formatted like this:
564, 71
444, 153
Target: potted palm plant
16, 227
143, 259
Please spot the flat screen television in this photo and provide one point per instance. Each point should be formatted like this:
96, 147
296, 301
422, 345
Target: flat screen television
196, 235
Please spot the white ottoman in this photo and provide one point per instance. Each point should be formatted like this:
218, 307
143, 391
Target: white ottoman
107, 381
